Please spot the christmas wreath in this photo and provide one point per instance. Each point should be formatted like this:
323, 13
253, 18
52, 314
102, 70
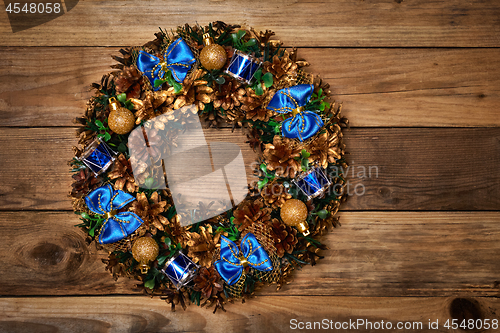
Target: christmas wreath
218, 75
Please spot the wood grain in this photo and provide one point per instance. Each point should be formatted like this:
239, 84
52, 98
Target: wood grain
391, 169
379, 87
372, 254
266, 314
424, 66
424, 169
301, 23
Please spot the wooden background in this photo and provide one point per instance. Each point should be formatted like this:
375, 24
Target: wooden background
420, 82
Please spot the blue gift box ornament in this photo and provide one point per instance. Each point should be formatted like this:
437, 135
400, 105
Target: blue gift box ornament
98, 156
180, 270
242, 67
313, 182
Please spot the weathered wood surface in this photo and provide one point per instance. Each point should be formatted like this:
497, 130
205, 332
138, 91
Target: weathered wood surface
372, 254
388, 258
268, 314
302, 23
379, 87
394, 169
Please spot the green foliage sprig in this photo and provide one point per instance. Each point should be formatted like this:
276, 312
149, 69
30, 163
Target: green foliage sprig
266, 80
248, 46
317, 102
231, 230
304, 160
170, 80
266, 177
90, 223
122, 98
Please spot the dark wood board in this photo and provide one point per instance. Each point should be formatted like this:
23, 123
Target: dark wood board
266, 314
378, 87
371, 254
301, 23
394, 168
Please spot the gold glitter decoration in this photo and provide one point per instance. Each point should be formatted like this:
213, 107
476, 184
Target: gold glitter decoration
294, 213
213, 56
144, 250
120, 120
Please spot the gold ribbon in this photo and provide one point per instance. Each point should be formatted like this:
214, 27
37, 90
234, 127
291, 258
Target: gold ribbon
298, 110
110, 214
243, 261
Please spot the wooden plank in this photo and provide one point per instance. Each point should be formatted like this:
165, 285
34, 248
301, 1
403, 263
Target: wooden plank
379, 87
391, 168
35, 174
424, 169
302, 23
266, 314
372, 254
417, 87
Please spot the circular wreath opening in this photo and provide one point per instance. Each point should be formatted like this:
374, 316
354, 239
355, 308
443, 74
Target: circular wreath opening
222, 76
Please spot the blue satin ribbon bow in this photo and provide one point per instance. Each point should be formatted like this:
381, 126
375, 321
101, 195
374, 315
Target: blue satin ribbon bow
178, 58
303, 124
233, 261
106, 201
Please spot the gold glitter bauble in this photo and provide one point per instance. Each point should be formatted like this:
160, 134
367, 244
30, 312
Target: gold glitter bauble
294, 213
120, 119
144, 250
213, 56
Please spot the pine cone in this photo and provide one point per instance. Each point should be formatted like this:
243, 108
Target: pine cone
255, 106
128, 80
228, 95
262, 114
284, 70
321, 226
122, 172
225, 104
194, 91
94, 111
106, 85
85, 181
285, 237
254, 139
178, 232
115, 267
148, 150
202, 245
142, 150
249, 212
279, 156
151, 213
325, 148
208, 282
152, 102
275, 194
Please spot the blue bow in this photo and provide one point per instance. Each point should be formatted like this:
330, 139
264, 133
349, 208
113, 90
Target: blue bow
303, 124
232, 260
178, 58
105, 201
